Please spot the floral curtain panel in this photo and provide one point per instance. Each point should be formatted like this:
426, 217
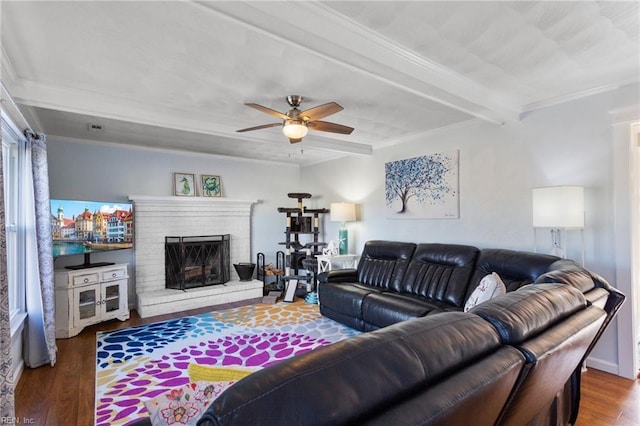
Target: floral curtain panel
40, 344
7, 387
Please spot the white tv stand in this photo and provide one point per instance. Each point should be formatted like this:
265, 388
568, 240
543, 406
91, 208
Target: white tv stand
89, 296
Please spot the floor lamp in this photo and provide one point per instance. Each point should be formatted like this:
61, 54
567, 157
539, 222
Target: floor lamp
559, 208
343, 212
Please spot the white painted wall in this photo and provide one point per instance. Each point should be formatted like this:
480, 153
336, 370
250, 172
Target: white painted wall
568, 144
87, 170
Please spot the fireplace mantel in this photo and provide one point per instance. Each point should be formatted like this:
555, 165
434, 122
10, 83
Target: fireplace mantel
157, 217
191, 201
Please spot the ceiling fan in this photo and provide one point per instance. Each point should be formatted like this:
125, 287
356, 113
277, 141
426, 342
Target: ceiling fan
295, 123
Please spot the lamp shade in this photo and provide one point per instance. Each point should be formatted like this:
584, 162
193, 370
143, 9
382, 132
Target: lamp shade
343, 212
558, 207
295, 129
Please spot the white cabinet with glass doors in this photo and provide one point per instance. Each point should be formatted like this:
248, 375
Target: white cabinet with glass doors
89, 296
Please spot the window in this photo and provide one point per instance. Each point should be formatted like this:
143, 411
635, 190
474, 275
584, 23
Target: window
12, 149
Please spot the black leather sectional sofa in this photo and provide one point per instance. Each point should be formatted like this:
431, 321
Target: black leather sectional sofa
396, 281
513, 360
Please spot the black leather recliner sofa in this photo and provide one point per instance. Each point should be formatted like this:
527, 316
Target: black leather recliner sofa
496, 364
397, 281
513, 360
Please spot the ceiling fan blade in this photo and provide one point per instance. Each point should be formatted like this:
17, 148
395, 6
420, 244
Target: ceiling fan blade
295, 140
264, 126
269, 111
320, 111
325, 126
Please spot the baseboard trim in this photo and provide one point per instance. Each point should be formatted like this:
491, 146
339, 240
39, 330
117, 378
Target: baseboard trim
606, 366
18, 368
17, 361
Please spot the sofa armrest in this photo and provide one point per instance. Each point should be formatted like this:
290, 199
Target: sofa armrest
616, 298
339, 276
568, 272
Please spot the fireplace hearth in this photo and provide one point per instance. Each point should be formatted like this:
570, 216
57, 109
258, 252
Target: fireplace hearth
196, 261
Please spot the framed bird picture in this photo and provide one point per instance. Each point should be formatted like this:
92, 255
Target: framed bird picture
184, 184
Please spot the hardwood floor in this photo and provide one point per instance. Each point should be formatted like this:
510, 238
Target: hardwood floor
608, 400
64, 394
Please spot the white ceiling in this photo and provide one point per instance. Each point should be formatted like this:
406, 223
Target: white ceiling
175, 74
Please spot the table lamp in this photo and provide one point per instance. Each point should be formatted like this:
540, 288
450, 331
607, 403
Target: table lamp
343, 212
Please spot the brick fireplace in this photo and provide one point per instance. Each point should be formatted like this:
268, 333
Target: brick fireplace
159, 217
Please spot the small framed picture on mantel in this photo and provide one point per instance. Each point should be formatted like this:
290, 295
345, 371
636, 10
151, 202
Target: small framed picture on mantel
184, 184
211, 186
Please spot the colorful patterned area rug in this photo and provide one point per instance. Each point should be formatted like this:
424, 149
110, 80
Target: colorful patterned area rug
138, 363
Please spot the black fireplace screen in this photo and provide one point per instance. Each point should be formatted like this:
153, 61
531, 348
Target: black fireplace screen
196, 261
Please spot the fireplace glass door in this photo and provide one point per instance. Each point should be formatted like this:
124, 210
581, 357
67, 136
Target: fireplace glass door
200, 261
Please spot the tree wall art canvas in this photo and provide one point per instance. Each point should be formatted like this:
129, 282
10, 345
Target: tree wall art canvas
423, 187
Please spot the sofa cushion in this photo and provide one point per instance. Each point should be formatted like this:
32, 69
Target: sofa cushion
383, 309
384, 263
441, 272
343, 302
523, 314
490, 286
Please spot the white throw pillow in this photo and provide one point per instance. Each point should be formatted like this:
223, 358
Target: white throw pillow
490, 286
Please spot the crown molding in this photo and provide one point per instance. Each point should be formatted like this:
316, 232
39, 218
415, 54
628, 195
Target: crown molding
568, 97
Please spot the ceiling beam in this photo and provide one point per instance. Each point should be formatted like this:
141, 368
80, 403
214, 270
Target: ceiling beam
321, 30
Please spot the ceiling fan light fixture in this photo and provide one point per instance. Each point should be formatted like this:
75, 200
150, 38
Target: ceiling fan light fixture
295, 129
295, 123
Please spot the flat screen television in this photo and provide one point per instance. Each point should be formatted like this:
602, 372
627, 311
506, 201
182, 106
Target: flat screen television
85, 227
